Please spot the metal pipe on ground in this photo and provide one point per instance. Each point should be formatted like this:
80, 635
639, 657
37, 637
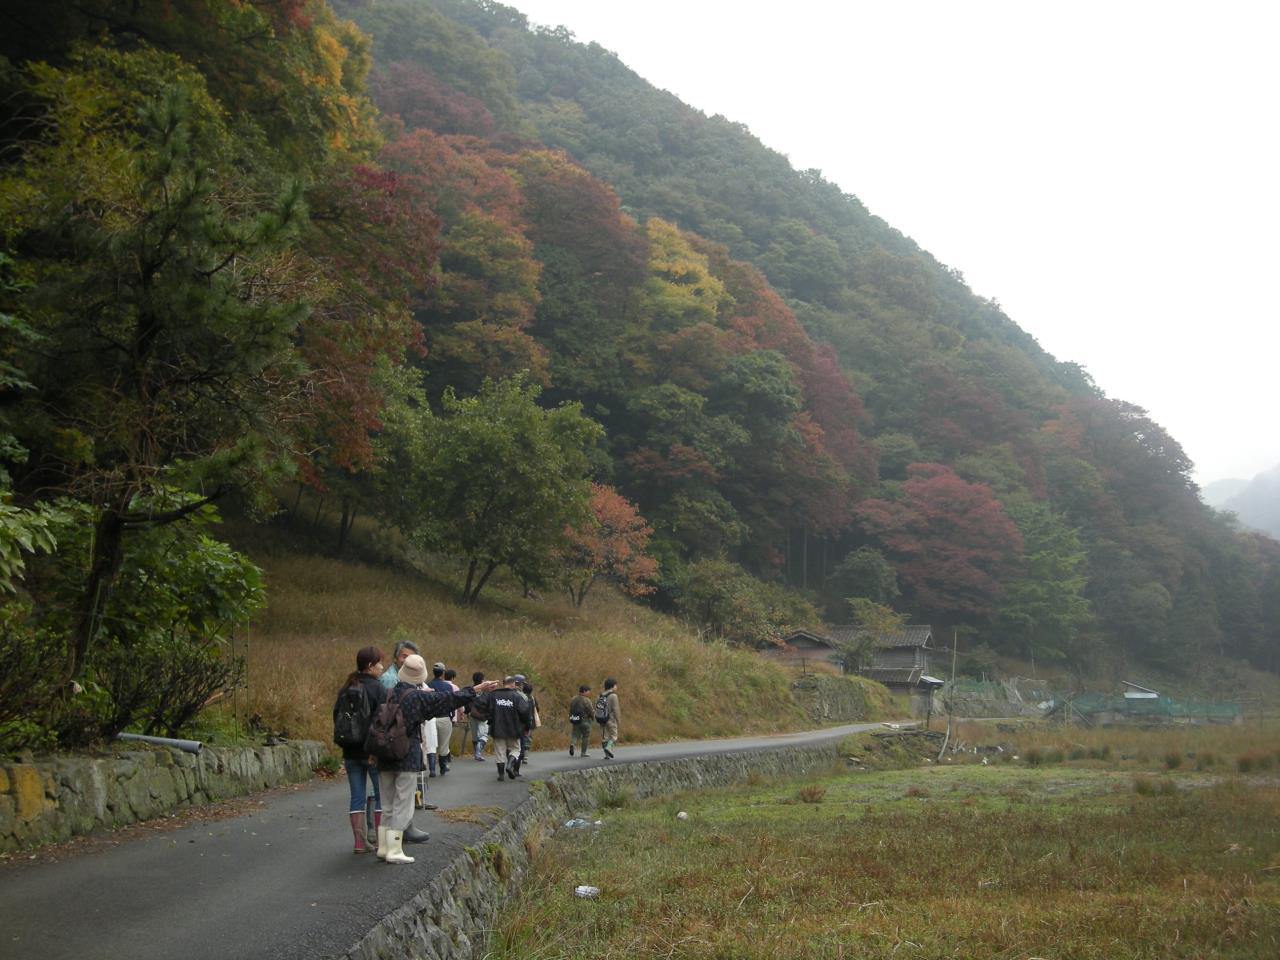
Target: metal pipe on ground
189, 746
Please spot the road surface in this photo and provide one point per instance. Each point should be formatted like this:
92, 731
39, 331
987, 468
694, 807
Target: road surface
279, 882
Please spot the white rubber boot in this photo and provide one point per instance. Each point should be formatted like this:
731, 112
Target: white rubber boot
382, 843
395, 847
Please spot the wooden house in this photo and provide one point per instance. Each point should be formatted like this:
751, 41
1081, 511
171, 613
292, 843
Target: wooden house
899, 658
807, 650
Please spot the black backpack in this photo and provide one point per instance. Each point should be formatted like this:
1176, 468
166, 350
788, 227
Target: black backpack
602, 708
388, 737
351, 717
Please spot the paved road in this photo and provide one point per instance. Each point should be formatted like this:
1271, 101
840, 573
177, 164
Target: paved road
279, 882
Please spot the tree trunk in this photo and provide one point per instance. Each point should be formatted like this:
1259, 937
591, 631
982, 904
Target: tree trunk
471, 573
804, 558
345, 524
297, 500
484, 578
105, 562
319, 506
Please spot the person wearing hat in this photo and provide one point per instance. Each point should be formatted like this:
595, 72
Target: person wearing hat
613, 717
399, 777
444, 725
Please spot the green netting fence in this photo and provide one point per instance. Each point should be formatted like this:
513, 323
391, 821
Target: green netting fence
1090, 704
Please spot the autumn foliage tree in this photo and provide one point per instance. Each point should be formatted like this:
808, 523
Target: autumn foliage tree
609, 546
951, 542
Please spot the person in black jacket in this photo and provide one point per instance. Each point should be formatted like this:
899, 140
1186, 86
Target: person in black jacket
363, 688
399, 777
509, 719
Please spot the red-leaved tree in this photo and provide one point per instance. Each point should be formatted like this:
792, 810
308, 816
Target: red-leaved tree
950, 541
610, 546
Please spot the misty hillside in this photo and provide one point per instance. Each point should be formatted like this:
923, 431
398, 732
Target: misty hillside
1218, 492
1000, 489
1257, 503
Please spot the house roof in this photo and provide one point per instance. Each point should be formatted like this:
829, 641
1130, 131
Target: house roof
808, 636
911, 635
1139, 687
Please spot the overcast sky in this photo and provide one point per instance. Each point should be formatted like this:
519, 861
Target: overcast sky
1106, 171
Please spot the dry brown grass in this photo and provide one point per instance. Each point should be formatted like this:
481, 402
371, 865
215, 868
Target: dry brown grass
672, 686
1002, 863
481, 816
1208, 746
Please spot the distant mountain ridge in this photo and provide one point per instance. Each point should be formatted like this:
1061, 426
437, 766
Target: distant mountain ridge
1257, 505
1218, 492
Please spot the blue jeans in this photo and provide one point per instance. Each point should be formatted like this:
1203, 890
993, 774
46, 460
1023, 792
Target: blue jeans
357, 771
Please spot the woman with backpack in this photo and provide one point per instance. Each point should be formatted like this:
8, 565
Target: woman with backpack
395, 738
359, 697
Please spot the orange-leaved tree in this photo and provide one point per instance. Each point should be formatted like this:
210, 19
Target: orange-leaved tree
611, 546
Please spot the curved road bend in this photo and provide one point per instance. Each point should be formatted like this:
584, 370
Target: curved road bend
280, 882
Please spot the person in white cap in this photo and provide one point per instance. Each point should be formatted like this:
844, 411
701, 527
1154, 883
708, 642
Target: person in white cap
399, 776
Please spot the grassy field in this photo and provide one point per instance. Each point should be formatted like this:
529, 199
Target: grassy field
999, 861
1248, 747
320, 611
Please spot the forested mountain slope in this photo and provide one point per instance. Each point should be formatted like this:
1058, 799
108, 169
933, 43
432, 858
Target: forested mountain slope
1010, 494
487, 286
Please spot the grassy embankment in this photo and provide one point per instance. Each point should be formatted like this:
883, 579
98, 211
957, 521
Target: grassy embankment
1009, 861
320, 611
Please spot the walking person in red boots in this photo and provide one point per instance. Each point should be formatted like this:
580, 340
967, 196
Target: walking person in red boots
359, 697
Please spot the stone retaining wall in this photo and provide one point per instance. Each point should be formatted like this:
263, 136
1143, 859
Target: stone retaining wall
51, 800
451, 917
830, 699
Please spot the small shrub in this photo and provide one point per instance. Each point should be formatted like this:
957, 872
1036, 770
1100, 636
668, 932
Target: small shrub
329, 765
1077, 753
812, 794
917, 791
1100, 753
533, 844
1254, 760
1154, 786
1245, 763
500, 861
1205, 760
1037, 756
614, 799
1173, 760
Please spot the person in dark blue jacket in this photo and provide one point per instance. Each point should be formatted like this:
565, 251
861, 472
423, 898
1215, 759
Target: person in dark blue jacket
398, 778
359, 765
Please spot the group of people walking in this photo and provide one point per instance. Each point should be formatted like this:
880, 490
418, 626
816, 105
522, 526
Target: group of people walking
394, 725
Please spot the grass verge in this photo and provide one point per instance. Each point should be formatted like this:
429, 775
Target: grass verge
971, 861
